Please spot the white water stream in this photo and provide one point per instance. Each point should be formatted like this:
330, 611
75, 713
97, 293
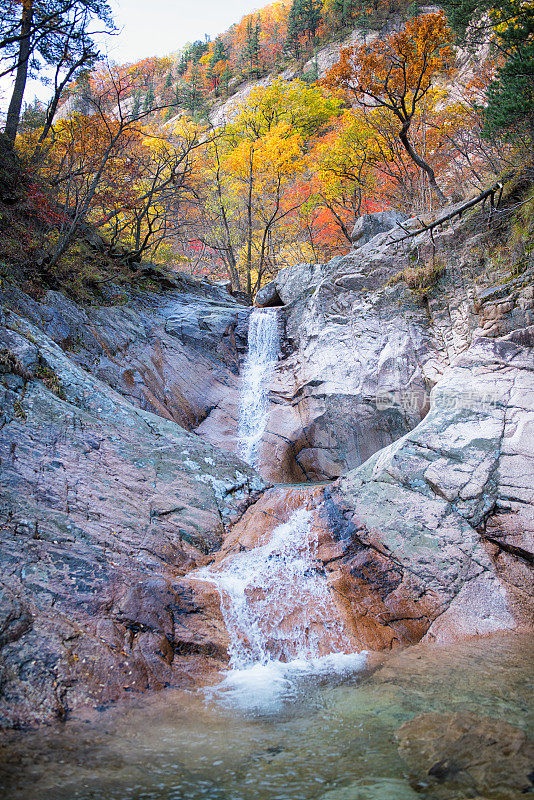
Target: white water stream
262, 355
282, 620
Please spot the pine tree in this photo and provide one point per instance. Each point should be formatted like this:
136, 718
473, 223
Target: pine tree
294, 29
304, 20
226, 77
252, 46
148, 103
219, 51
193, 99
310, 12
33, 117
136, 107
511, 94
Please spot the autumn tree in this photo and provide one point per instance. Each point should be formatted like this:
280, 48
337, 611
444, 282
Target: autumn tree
108, 170
211, 218
246, 199
341, 166
396, 74
282, 112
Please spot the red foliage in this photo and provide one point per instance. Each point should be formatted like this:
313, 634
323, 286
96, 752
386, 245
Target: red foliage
46, 211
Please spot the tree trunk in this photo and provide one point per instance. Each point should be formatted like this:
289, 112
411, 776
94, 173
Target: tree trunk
421, 163
249, 228
15, 105
232, 270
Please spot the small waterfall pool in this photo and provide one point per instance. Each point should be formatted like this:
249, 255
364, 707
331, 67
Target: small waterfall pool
262, 355
329, 741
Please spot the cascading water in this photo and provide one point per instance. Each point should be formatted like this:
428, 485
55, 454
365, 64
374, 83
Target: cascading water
278, 609
282, 620
263, 348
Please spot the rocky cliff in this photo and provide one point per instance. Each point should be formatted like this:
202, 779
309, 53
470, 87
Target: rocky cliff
437, 529
108, 498
369, 334
411, 373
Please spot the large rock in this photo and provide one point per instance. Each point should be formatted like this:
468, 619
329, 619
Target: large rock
370, 225
105, 506
439, 526
268, 296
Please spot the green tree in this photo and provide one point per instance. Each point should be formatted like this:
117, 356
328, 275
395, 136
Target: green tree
510, 23
252, 47
33, 117
192, 96
47, 33
294, 29
219, 51
148, 102
136, 106
311, 17
226, 77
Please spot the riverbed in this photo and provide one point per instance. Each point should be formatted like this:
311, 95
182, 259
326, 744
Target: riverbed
316, 736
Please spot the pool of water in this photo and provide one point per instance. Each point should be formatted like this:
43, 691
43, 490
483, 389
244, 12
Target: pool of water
316, 737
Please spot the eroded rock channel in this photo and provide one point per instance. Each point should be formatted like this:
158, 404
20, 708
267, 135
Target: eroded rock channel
135, 535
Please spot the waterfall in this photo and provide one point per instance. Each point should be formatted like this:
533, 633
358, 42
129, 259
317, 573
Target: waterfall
276, 604
279, 611
263, 348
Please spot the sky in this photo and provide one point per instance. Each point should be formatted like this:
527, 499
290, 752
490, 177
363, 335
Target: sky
155, 28
160, 27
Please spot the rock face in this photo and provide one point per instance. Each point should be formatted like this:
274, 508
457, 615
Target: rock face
106, 505
370, 225
439, 526
362, 349
349, 346
174, 352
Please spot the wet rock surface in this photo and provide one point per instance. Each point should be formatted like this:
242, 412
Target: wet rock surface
174, 351
106, 505
467, 755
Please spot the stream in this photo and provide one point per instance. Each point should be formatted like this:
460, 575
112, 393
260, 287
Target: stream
302, 713
332, 739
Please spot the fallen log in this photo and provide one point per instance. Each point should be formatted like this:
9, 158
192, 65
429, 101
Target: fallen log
481, 198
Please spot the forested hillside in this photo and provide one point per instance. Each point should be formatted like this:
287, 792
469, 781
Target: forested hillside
423, 107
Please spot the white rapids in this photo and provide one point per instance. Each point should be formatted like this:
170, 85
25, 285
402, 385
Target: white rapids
283, 623
262, 355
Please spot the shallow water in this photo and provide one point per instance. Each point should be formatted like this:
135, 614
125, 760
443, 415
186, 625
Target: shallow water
323, 738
